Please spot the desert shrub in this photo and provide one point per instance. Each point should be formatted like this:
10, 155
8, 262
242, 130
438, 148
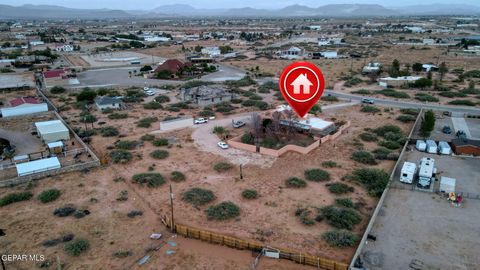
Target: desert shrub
146, 122
151, 179
64, 211
341, 218
49, 195
393, 93
374, 180
247, 138
218, 130
364, 157
15, 197
381, 131
362, 92
317, 175
122, 254
452, 94
462, 102
390, 144
340, 238
159, 154
248, 103
224, 107
245, 81
410, 111
236, 100
405, 118
160, 142
249, 194
222, 166
352, 81
88, 118
198, 196
147, 137
369, 109
76, 247
329, 164
120, 156
262, 105
57, 90
294, 182
304, 215
339, 188
368, 137
267, 86
114, 116
425, 97
152, 105
126, 145
329, 98
109, 131
79, 214
86, 95
222, 211
381, 153
162, 99
107, 110
177, 176
345, 202
134, 213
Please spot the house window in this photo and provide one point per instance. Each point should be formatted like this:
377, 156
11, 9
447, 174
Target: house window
213, 99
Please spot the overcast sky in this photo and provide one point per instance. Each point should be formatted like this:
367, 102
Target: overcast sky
270, 4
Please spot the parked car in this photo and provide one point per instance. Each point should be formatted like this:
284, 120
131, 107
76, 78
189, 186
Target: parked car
200, 121
368, 100
447, 130
222, 145
149, 93
238, 124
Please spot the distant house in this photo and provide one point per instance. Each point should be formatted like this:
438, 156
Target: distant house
303, 83
414, 29
64, 48
150, 38
372, 67
171, 65
314, 125
59, 77
205, 95
212, 52
462, 146
104, 102
323, 41
399, 81
429, 67
315, 27
36, 43
292, 53
329, 54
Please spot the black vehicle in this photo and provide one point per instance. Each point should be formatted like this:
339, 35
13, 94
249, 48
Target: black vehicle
447, 130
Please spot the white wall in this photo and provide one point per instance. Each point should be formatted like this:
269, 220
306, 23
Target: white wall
176, 124
24, 109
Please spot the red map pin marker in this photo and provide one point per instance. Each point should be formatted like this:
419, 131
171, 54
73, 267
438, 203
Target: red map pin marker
301, 84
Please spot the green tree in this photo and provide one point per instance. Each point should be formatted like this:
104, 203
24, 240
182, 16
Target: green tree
395, 68
417, 67
428, 123
442, 69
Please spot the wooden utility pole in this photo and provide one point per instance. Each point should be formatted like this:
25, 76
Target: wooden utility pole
172, 227
241, 172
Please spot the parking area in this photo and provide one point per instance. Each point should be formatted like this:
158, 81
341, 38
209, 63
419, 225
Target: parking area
473, 127
422, 230
465, 170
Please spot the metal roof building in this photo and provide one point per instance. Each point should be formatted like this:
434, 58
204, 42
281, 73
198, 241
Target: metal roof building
37, 166
51, 131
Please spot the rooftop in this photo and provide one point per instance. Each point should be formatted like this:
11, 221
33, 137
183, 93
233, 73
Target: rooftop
23, 100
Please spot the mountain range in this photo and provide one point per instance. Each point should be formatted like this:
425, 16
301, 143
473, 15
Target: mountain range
182, 10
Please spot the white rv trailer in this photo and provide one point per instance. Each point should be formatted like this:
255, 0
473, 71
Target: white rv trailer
444, 148
408, 172
431, 147
426, 171
421, 145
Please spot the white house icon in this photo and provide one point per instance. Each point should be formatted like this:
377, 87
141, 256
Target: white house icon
301, 81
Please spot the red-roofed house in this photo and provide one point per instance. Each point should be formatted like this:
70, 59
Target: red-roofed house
23, 100
57, 77
171, 65
57, 73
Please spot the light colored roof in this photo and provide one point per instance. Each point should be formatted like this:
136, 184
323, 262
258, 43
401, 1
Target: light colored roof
404, 78
36, 166
447, 181
52, 126
316, 123
409, 167
55, 144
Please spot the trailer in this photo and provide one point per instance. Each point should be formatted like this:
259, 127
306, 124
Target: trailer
431, 147
444, 148
421, 145
408, 172
426, 172
447, 184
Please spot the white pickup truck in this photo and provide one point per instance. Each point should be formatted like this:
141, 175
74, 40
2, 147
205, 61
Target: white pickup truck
200, 121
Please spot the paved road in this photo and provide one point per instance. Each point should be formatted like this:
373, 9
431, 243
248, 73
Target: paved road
407, 104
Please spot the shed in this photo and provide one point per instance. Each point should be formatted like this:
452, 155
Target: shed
55, 147
37, 166
447, 184
52, 131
